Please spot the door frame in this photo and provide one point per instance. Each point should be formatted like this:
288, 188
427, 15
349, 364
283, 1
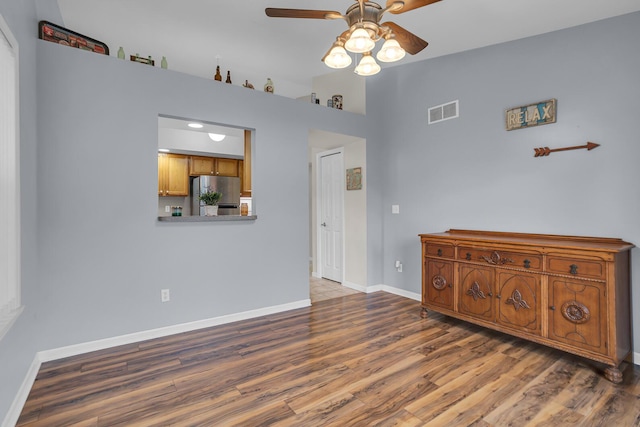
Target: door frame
340, 151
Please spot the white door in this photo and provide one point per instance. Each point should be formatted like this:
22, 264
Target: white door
331, 212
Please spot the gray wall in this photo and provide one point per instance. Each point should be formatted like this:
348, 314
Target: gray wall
101, 255
95, 258
17, 348
471, 173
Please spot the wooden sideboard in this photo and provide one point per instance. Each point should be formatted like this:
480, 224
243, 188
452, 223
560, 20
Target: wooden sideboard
570, 293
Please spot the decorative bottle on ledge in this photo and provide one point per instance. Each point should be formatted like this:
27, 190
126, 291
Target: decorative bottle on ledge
218, 76
228, 77
268, 86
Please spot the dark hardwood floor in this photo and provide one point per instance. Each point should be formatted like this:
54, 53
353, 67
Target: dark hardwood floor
358, 360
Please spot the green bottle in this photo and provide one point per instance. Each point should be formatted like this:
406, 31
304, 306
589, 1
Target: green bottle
163, 63
121, 53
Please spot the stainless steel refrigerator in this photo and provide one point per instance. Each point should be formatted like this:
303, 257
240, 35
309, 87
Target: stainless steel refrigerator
229, 203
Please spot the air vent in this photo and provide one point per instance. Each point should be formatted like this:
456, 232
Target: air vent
443, 112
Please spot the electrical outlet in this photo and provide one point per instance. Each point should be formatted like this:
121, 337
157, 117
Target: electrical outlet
395, 209
164, 295
398, 266
167, 208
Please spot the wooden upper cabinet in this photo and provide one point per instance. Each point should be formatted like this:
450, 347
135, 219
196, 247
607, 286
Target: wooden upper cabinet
202, 166
226, 167
245, 167
173, 175
213, 166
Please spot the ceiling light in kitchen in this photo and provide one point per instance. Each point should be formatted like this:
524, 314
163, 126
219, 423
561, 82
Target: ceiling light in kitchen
216, 137
196, 125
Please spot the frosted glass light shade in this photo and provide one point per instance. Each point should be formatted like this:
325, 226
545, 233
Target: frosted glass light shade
216, 137
390, 51
367, 66
359, 42
338, 58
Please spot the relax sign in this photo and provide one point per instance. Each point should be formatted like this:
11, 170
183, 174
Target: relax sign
540, 113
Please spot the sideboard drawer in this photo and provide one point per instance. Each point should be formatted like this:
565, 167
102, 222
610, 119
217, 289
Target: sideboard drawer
576, 267
439, 250
501, 258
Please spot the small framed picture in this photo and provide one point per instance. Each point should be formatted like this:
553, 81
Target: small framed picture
354, 179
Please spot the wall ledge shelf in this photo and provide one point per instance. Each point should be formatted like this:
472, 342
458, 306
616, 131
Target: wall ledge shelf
207, 218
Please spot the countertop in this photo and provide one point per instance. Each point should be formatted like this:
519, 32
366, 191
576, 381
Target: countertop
217, 218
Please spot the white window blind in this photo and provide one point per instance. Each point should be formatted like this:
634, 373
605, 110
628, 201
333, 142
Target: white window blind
9, 181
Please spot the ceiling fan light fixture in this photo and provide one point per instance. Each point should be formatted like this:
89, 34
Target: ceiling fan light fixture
337, 58
367, 66
360, 41
216, 137
390, 51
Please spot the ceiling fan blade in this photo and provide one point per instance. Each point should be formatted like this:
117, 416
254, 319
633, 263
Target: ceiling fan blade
274, 12
410, 5
408, 41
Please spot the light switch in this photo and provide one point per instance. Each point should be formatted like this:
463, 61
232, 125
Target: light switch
395, 209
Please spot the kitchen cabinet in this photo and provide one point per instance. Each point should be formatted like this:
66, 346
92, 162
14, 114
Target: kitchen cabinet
218, 166
245, 166
202, 166
570, 293
173, 175
226, 167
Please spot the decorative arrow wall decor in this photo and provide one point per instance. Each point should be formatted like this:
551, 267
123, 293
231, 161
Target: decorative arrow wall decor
545, 151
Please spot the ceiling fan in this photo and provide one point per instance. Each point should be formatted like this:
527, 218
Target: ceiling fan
365, 29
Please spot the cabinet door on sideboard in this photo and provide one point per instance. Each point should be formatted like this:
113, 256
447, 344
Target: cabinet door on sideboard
519, 306
578, 313
437, 286
476, 292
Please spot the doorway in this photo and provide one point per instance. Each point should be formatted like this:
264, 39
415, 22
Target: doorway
331, 215
354, 210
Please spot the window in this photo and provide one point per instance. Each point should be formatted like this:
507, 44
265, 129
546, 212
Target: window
10, 306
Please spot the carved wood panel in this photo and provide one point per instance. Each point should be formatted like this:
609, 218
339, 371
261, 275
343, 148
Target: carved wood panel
519, 304
476, 291
438, 283
577, 313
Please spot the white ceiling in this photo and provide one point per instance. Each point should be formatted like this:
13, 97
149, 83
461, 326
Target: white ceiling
195, 35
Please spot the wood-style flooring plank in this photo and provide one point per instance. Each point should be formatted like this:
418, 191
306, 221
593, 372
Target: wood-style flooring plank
358, 360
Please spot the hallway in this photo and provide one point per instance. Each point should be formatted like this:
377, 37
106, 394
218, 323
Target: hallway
323, 289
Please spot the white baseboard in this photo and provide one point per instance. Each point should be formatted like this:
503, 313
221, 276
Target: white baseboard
12, 416
384, 288
354, 286
74, 350
636, 358
11, 419
401, 292
316, 275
